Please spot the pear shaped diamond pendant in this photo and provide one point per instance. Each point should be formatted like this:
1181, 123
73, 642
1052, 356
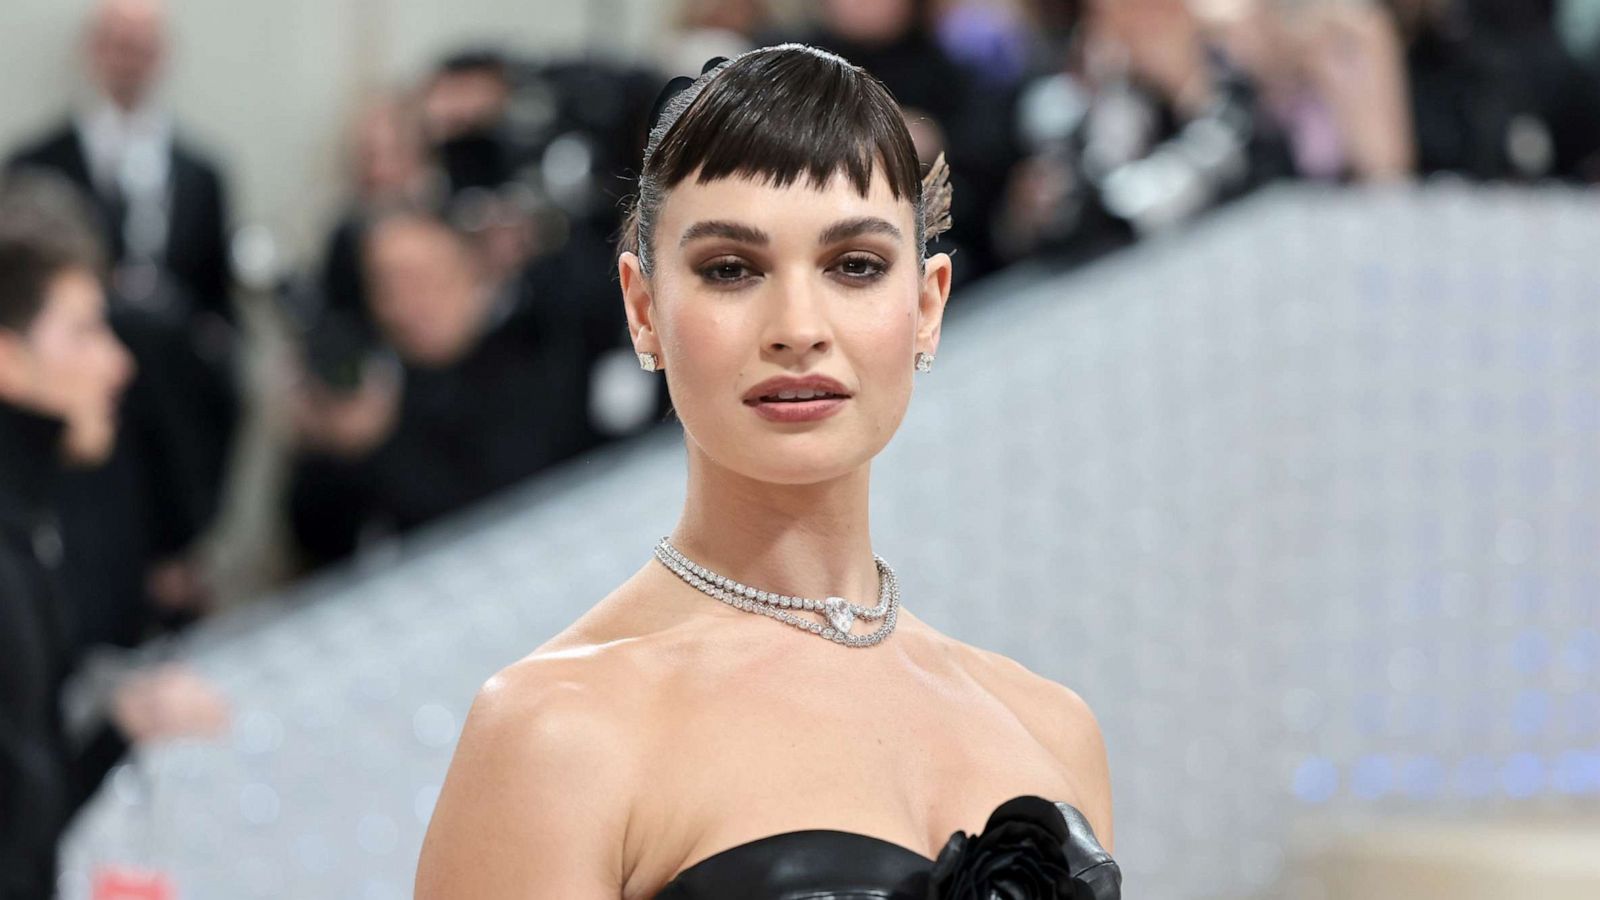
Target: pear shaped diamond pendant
839, 613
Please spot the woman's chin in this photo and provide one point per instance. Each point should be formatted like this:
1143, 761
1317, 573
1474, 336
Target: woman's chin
796, 463
775, 454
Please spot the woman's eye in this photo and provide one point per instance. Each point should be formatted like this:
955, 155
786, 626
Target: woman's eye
725, 271
861, 268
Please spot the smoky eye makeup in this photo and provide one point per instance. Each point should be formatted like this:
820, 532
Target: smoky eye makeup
860, 268
856, 268
725, 271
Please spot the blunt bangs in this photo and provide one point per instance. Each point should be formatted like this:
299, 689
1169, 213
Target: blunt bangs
789, 112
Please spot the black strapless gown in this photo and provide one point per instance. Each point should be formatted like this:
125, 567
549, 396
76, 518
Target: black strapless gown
1030, 849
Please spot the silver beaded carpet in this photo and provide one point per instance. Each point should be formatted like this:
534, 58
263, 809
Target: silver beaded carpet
1305, 502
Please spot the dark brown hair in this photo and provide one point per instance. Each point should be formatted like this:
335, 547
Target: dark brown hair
44, 233
783, 113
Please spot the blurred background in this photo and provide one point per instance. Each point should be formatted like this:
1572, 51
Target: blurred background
1268, 416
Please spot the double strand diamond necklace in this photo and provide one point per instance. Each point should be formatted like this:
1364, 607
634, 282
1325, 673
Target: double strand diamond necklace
839, 614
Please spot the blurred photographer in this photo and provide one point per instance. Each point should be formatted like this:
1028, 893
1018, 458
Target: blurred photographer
388, 163
464, 105
471, 392
1332, 78
1145, 124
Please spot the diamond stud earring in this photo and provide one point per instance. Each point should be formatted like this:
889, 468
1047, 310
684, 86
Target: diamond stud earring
924, 361
647, 362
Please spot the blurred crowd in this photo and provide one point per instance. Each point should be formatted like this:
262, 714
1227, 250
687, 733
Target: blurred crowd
459, 329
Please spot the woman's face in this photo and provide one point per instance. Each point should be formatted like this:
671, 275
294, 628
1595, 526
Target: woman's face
751, 282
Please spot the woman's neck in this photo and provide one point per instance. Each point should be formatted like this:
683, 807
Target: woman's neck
804, 540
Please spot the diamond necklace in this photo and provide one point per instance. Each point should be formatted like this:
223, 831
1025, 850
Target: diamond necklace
840, 613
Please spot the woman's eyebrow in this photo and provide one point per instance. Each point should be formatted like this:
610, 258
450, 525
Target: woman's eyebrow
733, 231
846, 229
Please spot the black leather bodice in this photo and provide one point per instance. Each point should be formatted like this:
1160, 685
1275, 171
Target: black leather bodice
822, 864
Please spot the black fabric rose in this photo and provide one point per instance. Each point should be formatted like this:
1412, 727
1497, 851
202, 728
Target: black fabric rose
1020, 855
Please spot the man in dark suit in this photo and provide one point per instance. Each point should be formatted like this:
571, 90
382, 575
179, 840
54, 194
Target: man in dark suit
162, 211
160, 200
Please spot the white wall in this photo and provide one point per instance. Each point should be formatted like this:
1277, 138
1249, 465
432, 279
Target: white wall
267, 86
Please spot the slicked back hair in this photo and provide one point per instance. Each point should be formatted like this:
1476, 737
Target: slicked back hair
779, 113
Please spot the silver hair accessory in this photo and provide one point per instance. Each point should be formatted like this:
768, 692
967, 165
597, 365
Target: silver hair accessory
839, 613
924, 361
647, 361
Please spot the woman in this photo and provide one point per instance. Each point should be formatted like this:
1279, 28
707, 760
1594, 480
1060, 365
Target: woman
669, 745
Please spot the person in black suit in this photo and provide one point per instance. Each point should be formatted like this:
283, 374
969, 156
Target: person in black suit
481, 385
161, 202
61, 374
162, 210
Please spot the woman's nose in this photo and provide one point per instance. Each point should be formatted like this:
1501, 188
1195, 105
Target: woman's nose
799, 319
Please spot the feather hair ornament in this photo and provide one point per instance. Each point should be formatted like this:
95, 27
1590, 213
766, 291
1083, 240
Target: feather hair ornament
936, 196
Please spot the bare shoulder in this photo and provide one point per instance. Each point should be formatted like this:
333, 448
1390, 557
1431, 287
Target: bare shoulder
535, 801
1056, 708
559, 692
1060, 718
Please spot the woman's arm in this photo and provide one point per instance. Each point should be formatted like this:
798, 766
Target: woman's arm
536, 799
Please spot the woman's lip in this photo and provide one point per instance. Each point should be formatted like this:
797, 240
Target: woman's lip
817, 383
797, 410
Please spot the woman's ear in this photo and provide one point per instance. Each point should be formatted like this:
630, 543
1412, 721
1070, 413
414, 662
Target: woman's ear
936, 271
639, 304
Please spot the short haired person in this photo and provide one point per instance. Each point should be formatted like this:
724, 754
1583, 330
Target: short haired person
464, 104
670, 745
483, 396
62, 372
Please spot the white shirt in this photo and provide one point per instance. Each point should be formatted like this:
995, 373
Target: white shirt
130, 154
